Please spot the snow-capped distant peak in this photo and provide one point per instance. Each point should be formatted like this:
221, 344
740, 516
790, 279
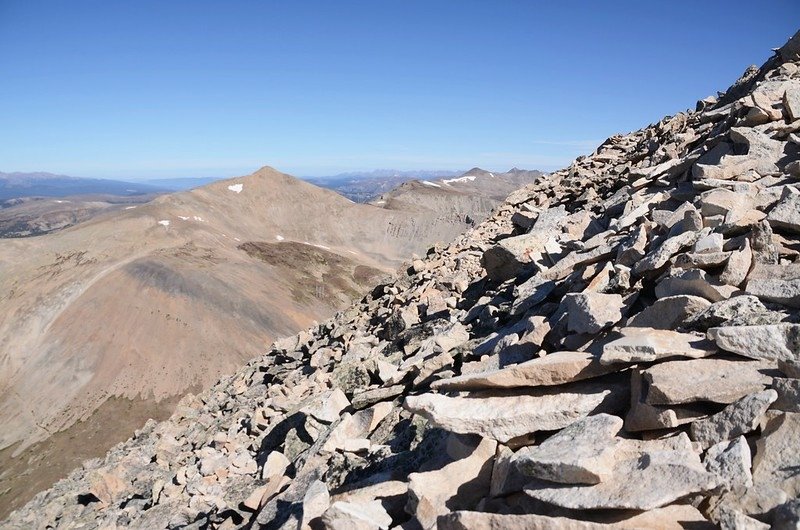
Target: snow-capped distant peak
469, 178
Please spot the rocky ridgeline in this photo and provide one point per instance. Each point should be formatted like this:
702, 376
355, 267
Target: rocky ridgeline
617, 346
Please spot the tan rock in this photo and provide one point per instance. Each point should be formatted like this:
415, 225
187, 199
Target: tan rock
730, 460
648, 345
714, 380
645, 417
504, 415
646, 475
738, 266
669, 312
457, 485
773, 342
356, 516
778, 454
592, 312
581, 453
328, 407
673, 517
740, 417
315, 502
553, 369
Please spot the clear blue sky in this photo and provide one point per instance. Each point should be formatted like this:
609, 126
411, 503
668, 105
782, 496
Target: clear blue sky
175, 88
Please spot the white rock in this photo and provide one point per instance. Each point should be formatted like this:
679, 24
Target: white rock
773, 342
503, 416
648, 345
581, 453
740, 417
714, 380
592, 312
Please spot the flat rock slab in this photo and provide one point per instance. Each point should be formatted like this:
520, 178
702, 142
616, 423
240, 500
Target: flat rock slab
645, 417
669, 312
713, 380
674, 517
784, 292
645, 476
774, 341
457, 485
777, 456
786, 214
582, 453
648, 345
554, 369
592, 312
503, 416
740, 417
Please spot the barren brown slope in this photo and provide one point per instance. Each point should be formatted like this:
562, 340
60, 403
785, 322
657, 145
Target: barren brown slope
151, 301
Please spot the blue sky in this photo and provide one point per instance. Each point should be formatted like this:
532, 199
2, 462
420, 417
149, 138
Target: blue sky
196, 88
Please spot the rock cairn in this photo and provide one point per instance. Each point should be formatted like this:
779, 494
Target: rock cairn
618, 346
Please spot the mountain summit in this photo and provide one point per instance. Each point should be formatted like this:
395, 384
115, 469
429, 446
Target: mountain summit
615, 347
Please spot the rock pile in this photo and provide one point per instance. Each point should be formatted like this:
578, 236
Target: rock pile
618, 346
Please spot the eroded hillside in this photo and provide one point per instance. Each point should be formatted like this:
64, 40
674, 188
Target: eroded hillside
133, 308
616, 347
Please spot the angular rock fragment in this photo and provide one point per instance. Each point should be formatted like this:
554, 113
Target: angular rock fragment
648, 345
673, 517
554, 369
670, 312
645, 417
773, 342
738, 266
457, 485
713, 380
592, 312
644, 478
788, 394
730, 460
503, 416
581, 453
777, 457
740, 417
786, 214
356, 516
514, 255
784, 292
694, 282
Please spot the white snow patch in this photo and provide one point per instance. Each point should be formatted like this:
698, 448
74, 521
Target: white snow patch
130, 207
380, 202
491, 174
323, 247
236, 239
163, 222
197, 218
182, 218
429, 183
59, 202
460, 179
279, 238
236, 188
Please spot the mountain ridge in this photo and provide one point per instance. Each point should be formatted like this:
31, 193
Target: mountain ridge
607, 350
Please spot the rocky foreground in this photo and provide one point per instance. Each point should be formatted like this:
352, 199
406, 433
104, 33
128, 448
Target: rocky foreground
618, 346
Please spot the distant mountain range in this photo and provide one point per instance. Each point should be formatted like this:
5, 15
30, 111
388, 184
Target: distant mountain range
213, 275
16, 185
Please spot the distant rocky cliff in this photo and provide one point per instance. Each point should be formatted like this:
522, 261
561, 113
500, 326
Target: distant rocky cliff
616, 347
